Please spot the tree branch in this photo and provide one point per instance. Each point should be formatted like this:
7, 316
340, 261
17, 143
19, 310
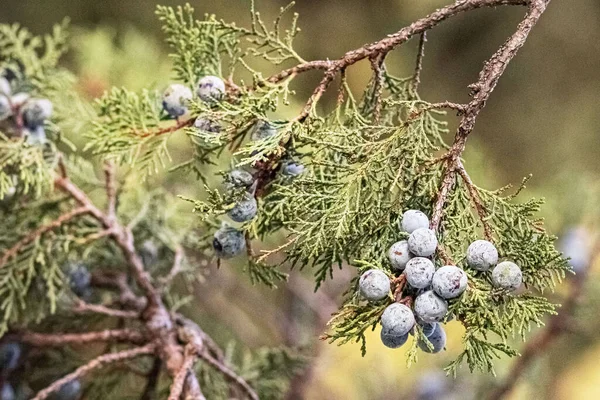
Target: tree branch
96, 363
60, 339
189, 358
83, 307
229, 374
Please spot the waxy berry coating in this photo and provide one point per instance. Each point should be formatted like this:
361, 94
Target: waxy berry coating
228, 242
429, 307
392, 341
422, 242
413, 220
449, 282
437, 340
374, 285
207, 125
398, 254
292, 168
482, 255
397, 319
238, 178
175, 98
262, 130
507, 275
244, 210
419, 272
36, 112
210, 88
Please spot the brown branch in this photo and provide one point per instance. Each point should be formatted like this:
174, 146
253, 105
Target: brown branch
170, 129
111, 190
476, 199
60, 339
378, 68
175, 268
419, 63
291, 72
34, 235
127, 297
94, 364
189, 359
229, 374
482, 89
83, 307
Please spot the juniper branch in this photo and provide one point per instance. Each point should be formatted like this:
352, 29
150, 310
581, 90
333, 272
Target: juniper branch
60, 339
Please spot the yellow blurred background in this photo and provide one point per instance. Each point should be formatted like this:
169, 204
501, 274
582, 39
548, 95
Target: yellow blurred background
543, 118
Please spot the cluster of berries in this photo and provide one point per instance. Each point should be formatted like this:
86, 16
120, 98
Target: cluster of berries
431, 288
10, 359
22, 115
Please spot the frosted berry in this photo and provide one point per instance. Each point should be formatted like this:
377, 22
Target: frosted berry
397, 319
507, 275
244, 210
19, 99
79, 279
36, 112
419, 272
392, 341
149, 253
10, 353
238, 178
399, 255
429, 307
449, 282
291, 168
35, 136
422, 242
4, 86
207, 125
69, 391
262, 130
437, 340
374, 285
413, 220
228, 242
5, 108
575, 245
7, 392
175, 99
210, 88
482, 255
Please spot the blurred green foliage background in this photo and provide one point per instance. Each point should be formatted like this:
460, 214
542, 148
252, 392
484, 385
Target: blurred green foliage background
543, 119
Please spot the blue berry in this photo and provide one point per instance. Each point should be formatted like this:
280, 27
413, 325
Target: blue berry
10, 353
413, 220
419, 272
374, 285
449, 282
397, 319
5, 108
175, 99
399, 255
69, 391
228, 242
437, 340
434, 386
292, 168
482, 255
210, 88
429, 307
244, 210
36, 112
238, 178
392, 341
422, 242
79, 279
19, 99
4, 86
575, 245
507, 275
36, 136
207, 125
262, 130
7, 392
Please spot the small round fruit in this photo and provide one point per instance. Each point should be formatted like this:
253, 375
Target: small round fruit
392, 341
419, 272
7, 392
210, 88
507, 275
5, 108
238, 178
244, 210
79, 279
437, 340
35, 136
293, 169
69, 391
429, 307
19, 99
399, 255
482, 255
262, 130
449, 282
374, 285
422, 242
576, 246
36, 112
228, 242
397, 319
207, 125
10, 353
413, 220
175, 99
4, 86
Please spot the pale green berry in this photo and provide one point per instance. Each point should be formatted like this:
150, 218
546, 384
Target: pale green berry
397, 319
507, 275
429, 307
210, 88
374, 285
419, 272
422, 242
449, 282
413, 220
175, 99
399, 255
482, 255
